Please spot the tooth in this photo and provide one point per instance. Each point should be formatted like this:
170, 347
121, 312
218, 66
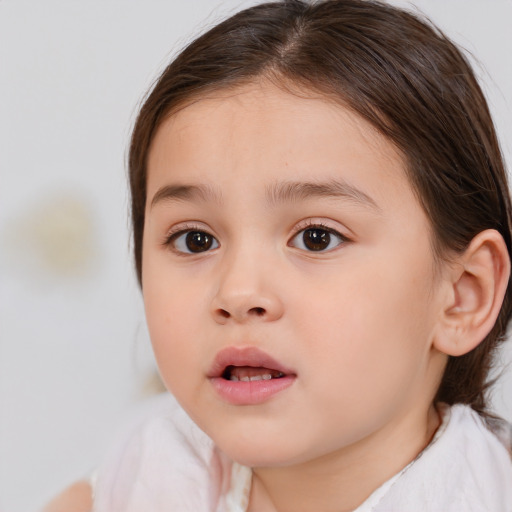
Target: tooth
256, 377
234, 377
245, 378
266, 376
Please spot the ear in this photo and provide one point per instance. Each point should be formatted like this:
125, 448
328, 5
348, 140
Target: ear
478, 280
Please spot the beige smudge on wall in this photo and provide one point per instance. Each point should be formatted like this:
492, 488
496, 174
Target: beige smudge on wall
57, 236
152, 385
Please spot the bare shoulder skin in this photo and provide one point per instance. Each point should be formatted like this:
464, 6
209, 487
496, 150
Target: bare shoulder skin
76, 498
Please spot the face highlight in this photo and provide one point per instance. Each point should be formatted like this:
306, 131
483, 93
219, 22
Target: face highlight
288, 277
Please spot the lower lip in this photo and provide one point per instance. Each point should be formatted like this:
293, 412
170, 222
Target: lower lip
250, 393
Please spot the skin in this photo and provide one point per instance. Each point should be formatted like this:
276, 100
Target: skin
76, 498
356, 323
364, 325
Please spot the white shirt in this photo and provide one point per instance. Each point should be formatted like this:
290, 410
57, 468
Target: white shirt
165, 463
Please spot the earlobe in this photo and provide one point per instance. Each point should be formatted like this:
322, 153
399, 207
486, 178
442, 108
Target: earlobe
478, 281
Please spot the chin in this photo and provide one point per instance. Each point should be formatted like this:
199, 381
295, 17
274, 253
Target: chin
257, 452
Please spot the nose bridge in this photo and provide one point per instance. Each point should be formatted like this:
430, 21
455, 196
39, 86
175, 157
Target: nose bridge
245, 287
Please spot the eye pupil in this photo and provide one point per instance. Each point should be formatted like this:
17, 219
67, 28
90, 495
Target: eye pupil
316, 239
198, 241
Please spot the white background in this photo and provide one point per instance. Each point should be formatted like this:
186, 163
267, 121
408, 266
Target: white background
73, 349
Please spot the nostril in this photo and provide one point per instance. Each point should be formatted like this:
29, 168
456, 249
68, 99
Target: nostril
241, 313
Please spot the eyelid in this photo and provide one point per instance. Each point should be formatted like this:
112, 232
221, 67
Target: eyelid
181, 228
175, 232
322, 225
327, 224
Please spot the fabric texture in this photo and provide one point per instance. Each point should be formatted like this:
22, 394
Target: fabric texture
165, 462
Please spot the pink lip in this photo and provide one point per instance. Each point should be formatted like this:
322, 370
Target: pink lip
252, 392
246, 356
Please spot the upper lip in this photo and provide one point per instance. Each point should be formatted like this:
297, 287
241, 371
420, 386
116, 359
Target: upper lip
245, 356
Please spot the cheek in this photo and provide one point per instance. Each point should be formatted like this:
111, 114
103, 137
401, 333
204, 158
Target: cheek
171, 313
370, 325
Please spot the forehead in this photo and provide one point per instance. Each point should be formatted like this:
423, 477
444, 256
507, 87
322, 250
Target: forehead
260, 132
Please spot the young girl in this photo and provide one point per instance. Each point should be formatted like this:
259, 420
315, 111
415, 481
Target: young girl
322, 234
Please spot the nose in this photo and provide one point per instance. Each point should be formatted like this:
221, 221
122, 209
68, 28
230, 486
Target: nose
246, 293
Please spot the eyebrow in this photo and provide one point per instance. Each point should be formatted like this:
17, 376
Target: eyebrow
292, 191
186, 193
282, 192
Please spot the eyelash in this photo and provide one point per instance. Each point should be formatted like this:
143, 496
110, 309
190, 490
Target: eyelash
312, 225
173, 237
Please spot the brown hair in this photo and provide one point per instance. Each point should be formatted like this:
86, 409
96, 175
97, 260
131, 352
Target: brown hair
399, 73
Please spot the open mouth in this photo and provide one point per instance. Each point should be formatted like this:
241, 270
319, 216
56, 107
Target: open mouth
250, 373
248, 376
246, 365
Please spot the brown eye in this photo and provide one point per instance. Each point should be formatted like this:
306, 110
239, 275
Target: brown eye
193, 242
198, 241
317, 239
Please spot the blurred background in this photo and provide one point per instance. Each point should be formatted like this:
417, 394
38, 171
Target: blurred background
74, 352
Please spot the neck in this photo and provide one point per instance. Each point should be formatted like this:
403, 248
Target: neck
342, 480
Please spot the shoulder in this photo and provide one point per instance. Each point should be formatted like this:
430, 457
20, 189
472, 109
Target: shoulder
465, 467
492, 434
165, 461
502, 429
76, 498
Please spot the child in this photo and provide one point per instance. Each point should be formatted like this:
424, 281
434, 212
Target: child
322, 234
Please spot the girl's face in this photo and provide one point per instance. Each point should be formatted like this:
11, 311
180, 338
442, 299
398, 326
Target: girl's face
288, 277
